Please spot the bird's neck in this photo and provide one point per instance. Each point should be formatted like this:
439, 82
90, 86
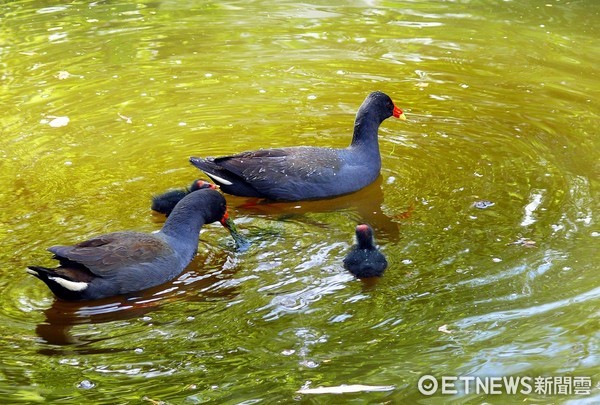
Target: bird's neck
365, 132
367, 245
184, 228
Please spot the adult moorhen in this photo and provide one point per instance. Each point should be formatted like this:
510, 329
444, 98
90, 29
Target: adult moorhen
305, 173
364, 260
166, 202
123, 262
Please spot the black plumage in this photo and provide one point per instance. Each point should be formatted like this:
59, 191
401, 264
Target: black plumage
364, 259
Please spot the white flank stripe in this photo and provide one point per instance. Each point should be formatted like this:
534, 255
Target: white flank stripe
70, 285
219, 179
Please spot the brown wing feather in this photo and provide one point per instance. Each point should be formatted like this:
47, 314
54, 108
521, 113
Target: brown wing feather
107, 253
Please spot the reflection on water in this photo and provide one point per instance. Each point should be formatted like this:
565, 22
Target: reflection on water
190, 286
486, 207
364, 206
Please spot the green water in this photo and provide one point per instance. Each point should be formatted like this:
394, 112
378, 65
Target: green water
502, 101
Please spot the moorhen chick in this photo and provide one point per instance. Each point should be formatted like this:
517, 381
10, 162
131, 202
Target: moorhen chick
166, 202
364, 260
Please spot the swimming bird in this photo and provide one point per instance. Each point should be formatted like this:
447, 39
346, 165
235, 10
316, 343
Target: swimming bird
304, 172
364, 260
166, 202
123, 262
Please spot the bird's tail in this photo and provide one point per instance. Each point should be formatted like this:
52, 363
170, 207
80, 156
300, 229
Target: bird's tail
62, 286
41, 272
212, 170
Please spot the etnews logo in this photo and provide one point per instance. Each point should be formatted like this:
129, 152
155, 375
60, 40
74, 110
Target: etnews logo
554, 385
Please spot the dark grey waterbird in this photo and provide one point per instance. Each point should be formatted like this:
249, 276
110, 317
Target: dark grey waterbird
304, 173
124, 262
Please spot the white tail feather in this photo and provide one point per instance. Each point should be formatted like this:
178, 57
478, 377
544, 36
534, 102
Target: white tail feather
70, 285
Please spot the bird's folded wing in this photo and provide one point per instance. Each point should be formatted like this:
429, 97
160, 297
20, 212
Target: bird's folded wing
111, 252
268, 166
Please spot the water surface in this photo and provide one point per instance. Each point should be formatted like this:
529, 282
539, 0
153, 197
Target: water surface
502, 100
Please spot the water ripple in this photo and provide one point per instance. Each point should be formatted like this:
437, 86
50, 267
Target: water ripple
502, 316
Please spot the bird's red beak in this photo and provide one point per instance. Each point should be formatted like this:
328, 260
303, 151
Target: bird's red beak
398, 113
225, 221
241, 243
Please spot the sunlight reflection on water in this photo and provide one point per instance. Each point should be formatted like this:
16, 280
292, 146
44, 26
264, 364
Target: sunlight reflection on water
500, 100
